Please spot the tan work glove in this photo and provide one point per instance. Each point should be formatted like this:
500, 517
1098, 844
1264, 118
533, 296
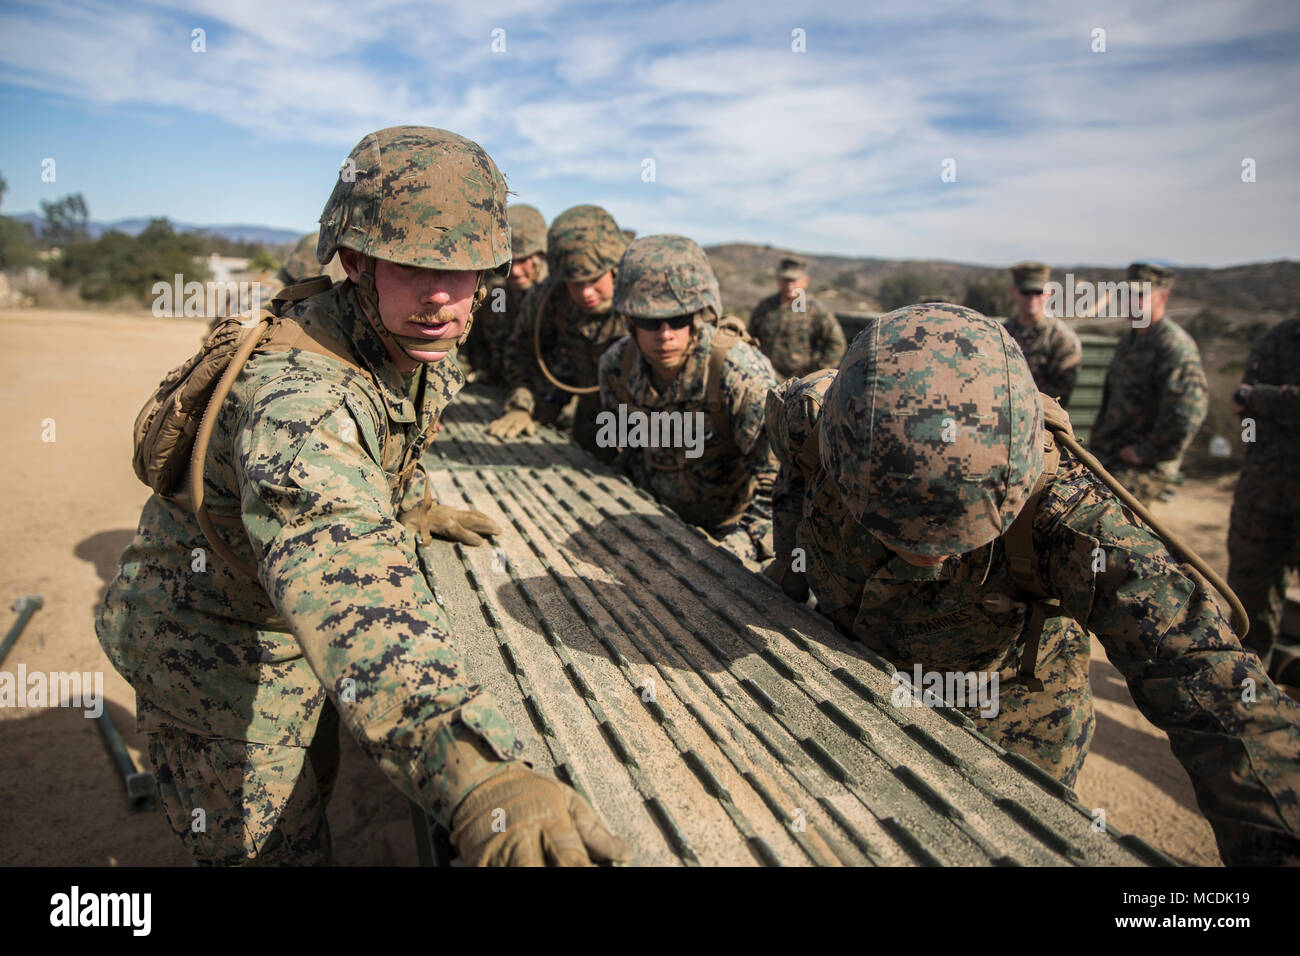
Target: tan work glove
428, 519
793, 583
519, 817
512, 424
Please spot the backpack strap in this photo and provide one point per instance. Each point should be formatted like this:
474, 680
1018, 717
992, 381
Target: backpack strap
284, 334
299, 291
730, 330
1022, 561
542, 308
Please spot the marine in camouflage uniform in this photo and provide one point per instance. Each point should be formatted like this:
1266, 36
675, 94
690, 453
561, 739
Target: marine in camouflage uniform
1264, 528
931, 442
1051, 347
1155, 396
668, 294
583, 247
483, 355
798, 334
241, 682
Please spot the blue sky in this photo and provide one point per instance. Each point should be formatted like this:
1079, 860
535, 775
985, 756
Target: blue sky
1061, 153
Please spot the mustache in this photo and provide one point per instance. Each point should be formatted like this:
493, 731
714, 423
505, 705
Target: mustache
441, 317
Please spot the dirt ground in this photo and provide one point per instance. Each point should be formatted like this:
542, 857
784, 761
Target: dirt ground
71, 505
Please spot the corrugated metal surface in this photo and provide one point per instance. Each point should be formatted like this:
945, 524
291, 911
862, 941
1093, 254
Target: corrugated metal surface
709, 719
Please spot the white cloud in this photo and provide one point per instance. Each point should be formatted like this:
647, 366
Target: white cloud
1062, 153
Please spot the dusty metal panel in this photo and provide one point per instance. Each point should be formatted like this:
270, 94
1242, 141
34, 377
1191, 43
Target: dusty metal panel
709, 719
1085, 403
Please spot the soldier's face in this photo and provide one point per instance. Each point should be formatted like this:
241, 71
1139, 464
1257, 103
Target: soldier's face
1031, 304
593, 294
789, 287
428, 305
1159, 299
523, 273
665, 347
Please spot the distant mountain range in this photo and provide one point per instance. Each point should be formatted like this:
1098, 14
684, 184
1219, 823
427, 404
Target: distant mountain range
747, 272
238, 232
843, 283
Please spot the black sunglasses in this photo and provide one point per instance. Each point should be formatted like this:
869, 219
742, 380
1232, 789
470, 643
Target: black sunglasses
652, 325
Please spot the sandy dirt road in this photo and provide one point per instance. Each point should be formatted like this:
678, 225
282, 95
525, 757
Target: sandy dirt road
71, 505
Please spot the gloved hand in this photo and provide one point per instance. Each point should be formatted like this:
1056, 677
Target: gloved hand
513, 423
793, 583
519, 817
467, 527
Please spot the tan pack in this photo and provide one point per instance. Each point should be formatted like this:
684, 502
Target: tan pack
173, 427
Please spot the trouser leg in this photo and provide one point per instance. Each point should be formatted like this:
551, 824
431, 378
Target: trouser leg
235, 803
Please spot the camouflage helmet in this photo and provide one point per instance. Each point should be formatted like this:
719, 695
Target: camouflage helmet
664, 276
301, 263
933, 429
419, 196
527, 231
583, 243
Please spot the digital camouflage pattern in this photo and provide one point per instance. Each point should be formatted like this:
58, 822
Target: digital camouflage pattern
572, 343
791, 268
1264, 528
727, 490
1160, 277
301, 263
1053, 351
484, 352
419, 196
583, 243
661, 277
1155, 398
1030, 276
527, 230
1237, 737
797, 342
286, 788
298, 483
921, 448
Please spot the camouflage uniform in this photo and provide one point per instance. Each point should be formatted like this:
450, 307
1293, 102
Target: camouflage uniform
1264, 529
1155, 398
1054, 354
237, 680
484, 351
796, 342
1051, 347
727, 489
884, 480
583, 243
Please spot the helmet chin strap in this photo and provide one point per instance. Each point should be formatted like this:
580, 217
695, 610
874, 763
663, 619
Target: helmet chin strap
369, 300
